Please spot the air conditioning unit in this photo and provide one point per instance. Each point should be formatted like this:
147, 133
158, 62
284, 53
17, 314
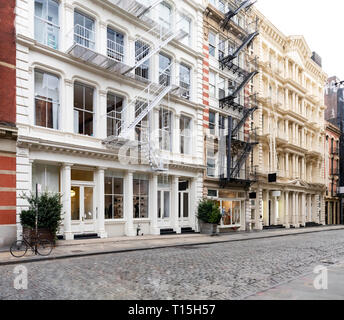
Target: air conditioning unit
231, 84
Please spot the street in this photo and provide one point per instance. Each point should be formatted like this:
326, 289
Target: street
235, 270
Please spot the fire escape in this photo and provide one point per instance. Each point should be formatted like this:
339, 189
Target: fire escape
237, 143
135, 113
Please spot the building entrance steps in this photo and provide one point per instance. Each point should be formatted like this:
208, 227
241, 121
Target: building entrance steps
88, 247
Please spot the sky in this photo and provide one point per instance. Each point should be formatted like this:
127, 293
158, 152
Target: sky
320, 22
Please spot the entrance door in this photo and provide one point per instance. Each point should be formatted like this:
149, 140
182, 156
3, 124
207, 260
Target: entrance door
164, 208
82, 209
184, 208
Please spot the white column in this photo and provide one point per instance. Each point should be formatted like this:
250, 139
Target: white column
287, 165
303, 176
101, 116
193, 204
294, 208
66, 200
101, 42
297, 210
276, 211
286, 210
67, 112
153, 208
128, 204
286, 126
286, 67
309, 208
176, 135
303, 209
100, 202
66, 42
174, 204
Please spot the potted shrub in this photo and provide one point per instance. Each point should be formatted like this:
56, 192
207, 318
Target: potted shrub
209, 215
49, 209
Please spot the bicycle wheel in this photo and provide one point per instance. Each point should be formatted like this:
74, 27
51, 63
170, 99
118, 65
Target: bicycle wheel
44, 247
18, 249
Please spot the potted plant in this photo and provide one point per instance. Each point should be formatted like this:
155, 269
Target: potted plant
48, 208
209, 214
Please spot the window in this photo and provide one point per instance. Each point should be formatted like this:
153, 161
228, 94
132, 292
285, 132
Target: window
164, 70
165, 16
185, 135
164, 197
84, 30
212, 43
115, 45
47, 22
140, 199
185, 25
47, 102
185, 81
141, 51
212, 122
114, 114
142, 128
222, 48
212, 193
212, 84
222, 122
165, 129
211, 163
83, 109
48, 176
222, 88
113, 197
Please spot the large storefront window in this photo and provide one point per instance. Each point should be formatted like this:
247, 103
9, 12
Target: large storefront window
140, 199
113, 198
48, 176
231, 212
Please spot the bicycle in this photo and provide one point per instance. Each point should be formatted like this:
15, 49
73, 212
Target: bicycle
42, 247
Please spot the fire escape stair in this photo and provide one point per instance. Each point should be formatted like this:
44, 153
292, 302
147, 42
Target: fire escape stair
247, 150
248, 112
245, 5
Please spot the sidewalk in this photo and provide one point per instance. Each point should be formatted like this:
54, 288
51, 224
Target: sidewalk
80, 248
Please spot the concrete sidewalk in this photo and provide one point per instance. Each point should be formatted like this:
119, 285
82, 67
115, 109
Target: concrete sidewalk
80, 248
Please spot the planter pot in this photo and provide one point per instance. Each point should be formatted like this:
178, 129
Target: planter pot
208, 228
30, 234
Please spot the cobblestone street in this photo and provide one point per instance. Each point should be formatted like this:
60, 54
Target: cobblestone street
233, 270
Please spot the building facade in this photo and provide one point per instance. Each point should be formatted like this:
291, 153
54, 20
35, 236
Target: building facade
291, 151
332, 200
110, 113
229, 67
8, 130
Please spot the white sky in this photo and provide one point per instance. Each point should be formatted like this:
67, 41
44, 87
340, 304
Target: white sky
320, 22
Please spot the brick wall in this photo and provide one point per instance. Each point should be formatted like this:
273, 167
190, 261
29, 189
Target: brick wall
7, 113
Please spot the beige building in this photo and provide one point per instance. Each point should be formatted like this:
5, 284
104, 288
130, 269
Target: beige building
291, 133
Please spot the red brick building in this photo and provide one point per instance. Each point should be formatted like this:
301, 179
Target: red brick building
8, 131
332, 200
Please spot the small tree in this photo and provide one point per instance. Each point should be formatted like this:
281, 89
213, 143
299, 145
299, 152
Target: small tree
49, 209
209, 212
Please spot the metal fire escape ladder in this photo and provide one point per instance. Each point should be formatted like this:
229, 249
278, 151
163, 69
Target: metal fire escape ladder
134, 7
245, 5
246, 43
247, 113
247, 150
164, 36
244, 83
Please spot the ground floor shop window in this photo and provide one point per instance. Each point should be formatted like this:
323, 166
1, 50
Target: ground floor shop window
48, 176
113, 198
140, 198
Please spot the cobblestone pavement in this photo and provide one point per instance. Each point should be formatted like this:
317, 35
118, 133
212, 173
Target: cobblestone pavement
218, 271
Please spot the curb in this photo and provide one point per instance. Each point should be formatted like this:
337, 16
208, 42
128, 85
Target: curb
97, 253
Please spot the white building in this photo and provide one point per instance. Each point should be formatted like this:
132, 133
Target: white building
93, 75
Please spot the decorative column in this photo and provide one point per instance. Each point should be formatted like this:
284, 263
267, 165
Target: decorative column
193, 204
293, 166
174, 204
276, 211
67, 113
153, 208
286, 125
286, 210
100, 200
68, 28
66, 200
303, 176
128, 204
309, 208
294, 208
297, 209
176, 135
303, 209
101, 44
286, 67
101, 116
287, 165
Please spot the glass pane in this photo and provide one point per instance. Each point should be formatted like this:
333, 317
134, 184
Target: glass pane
227, 213
39, 30
53, 12
75, 201
144, 207
118, 186
89, 99
78, 96
88, 123
108, 185
159, 204
136, 186
40, 113
144, 187
88, 198
185, 205
40, 8
108, 207
118, 207
166, 204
